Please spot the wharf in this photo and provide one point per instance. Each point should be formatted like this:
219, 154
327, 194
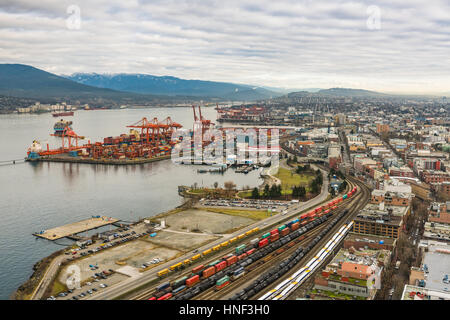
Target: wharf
69, 159
69, 230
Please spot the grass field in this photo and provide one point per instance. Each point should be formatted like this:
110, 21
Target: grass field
289, 179
252, 214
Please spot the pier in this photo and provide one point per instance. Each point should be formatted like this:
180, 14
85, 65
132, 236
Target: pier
69, 230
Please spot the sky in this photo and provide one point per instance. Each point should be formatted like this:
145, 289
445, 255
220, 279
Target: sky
398, 46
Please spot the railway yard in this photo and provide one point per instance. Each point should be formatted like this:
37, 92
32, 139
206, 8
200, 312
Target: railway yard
236, 272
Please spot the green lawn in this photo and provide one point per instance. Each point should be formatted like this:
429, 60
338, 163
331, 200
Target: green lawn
252, 214
289, 179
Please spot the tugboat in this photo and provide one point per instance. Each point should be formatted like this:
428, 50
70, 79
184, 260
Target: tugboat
60, 125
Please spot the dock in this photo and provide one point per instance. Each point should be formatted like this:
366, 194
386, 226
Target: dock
69, 230
68, 159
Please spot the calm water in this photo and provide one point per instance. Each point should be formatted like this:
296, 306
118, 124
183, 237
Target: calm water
39, 196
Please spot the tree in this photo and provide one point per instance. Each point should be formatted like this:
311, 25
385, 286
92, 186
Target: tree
255, 193
229, 186
266, 191
301, 191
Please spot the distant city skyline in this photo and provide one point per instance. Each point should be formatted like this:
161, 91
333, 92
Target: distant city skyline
395, 46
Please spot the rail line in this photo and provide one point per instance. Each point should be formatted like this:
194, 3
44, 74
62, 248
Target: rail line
256, 268
289, 283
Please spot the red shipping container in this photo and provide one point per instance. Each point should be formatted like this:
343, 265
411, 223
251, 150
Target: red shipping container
231, 260
274, 237
303, 223
220, 266
166, 296
284, 232
295, 226
249, 252
274, 231
263, 243
192, 281
209, 272
197, 269
242, 256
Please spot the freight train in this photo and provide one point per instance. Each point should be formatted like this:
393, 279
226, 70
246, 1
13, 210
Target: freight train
283, 290
232, 265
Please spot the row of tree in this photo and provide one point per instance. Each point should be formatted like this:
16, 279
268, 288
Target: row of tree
268, 192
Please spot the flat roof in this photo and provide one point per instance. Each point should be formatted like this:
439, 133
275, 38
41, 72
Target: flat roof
438, 265
368, 238
76, 227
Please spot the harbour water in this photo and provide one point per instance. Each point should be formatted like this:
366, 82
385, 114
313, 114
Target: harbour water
39, 196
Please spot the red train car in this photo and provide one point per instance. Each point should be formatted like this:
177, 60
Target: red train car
193, 281
198, 269
242, 256
220, 266
274, 231
249, 252
232, 260
274, 237
263, 243
152, 298
167, 296
209, 272
295, 226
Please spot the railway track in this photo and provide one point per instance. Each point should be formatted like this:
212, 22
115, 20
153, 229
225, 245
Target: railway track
360, 202
148, 292
256, 268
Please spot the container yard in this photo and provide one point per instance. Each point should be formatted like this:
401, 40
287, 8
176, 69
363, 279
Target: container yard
146, 141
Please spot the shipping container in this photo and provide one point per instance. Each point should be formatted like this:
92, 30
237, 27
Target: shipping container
209, 272
242, 256
280, 228
240, 248
249, 252
220, 266
222, 280
179, 282
214, 263
263, 243
193, 281
274, 231
274, 237
285, 232
219, 287
166, 296
152, 298
198, 269
231, 260
265, 235
295, 226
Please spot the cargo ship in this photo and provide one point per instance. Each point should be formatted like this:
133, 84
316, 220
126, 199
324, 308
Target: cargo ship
60, 125
63, 114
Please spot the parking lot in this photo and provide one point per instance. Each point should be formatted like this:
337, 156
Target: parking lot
247, 204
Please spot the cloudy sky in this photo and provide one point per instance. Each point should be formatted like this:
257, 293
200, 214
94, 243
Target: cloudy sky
387, 45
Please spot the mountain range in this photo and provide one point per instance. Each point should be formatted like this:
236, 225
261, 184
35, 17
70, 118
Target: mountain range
20, 84
172, 86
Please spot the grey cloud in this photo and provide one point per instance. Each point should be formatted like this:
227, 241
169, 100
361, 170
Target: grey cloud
282, 43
